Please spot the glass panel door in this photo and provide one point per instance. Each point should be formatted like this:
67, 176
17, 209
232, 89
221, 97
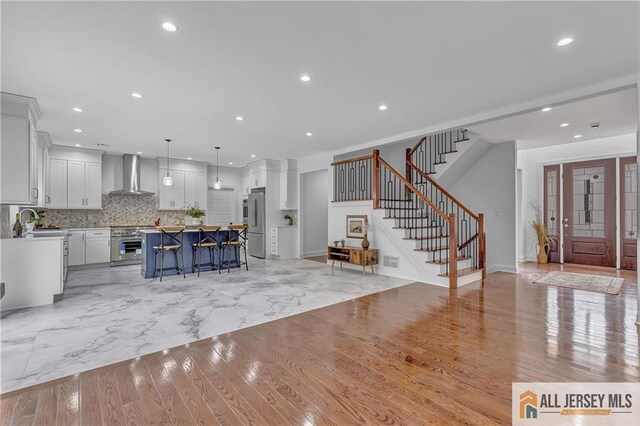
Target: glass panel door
552, 209
628, 212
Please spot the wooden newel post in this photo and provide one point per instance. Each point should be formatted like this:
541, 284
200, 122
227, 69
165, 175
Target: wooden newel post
453, 252
482, 248
408, 173
376, 178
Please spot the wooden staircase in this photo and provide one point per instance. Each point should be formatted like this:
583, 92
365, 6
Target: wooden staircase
449, 234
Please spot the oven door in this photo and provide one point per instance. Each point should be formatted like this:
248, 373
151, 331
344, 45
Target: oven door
126, 248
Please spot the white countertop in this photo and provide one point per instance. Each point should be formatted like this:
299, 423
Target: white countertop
54, 234
155, 231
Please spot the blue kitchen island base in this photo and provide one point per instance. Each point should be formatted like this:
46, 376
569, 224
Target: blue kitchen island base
189, 237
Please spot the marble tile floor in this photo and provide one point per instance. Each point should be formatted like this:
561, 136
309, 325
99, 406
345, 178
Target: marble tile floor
107, 315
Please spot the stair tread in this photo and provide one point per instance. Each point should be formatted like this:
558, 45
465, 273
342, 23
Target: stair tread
434, 249
425, 238
406, 217
416, 227
464, 271
402, 208
444, 261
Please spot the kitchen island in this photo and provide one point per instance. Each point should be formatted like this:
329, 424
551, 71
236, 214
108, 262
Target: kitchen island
151, 238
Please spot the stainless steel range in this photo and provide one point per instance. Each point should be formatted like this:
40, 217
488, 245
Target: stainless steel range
126, 245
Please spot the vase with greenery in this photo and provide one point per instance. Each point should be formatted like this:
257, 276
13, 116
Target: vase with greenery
195, 215
542, 233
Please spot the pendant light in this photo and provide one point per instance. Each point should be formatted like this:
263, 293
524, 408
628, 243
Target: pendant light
218, 183
167, 180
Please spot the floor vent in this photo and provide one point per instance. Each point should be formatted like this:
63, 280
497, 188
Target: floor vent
390, 261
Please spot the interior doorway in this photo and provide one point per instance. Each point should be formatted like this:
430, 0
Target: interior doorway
314, 213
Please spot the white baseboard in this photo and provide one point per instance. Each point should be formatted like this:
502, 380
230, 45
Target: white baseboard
511, 269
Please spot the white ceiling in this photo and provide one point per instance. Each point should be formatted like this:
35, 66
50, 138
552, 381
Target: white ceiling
616, 112
429, 62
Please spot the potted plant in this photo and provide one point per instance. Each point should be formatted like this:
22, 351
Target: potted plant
288, 219
542, 234
195, 215
31, 223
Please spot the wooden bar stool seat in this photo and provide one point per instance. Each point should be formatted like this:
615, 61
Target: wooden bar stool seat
208, 237
170, 241
237, 240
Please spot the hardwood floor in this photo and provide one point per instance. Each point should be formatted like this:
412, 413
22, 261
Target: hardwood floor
417, 354
321, 259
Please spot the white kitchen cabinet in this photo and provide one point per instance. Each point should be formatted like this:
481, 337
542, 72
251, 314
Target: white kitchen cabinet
84, 185
76, 177
97, 246
77, 244
172, 197
289, 185
283, 242
246, 186
18, 153
195, 189
258, 179
56, 184
19, 150
93, 186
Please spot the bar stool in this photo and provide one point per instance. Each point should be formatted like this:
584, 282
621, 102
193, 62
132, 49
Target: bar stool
237, 240
207, 238
170, 240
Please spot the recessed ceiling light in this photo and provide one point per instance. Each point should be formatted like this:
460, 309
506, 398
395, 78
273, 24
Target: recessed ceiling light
230, 162
253, 156
309, 134
564, 125
239, 118
305, 78
139, 152
546, 109
382, 107
136, 95
564, 42
577, 136
77, 130
76, 109
78, 145
168, 26
189, 158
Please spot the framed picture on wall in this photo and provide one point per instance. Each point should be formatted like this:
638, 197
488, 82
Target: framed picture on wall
355, 226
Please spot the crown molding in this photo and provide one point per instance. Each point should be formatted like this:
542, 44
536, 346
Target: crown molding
30, 102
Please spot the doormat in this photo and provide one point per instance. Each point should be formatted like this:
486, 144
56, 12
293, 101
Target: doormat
598, 283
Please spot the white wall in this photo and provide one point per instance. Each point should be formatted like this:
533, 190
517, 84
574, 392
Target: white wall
314, 213
532, 162
489, 187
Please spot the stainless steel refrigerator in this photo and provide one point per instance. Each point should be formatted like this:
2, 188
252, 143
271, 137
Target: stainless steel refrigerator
256, 234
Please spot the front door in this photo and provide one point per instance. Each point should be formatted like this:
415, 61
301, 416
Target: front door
589, 219
628, 212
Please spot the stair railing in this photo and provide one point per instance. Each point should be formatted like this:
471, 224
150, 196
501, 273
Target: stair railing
471, 238
432, 229
431, 150
352, 179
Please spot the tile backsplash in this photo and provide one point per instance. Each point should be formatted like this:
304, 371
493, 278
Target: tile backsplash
117, 210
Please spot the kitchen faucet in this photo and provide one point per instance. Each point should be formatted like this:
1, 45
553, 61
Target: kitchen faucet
35, 214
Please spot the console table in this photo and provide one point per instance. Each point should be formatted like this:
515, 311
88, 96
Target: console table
353, 255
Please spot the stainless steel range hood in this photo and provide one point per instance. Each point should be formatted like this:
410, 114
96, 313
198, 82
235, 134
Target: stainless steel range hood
130, 177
